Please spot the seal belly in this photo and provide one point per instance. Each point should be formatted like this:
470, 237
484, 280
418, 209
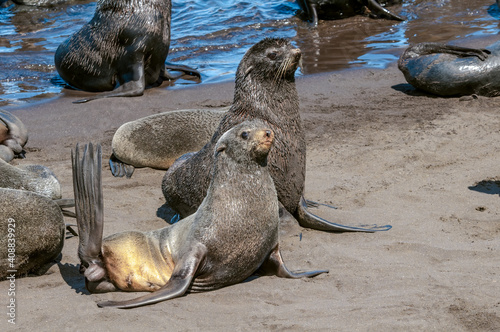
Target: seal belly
134, 261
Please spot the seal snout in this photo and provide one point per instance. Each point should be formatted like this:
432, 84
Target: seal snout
265, 138
296, 54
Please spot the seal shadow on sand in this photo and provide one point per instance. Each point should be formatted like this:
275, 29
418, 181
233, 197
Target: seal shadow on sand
410, 90
491, 187
71, 275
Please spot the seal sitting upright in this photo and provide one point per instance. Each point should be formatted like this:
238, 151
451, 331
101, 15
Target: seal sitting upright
265, 90
232, 235
122, 50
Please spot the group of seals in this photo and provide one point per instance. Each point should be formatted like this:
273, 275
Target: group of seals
122, 50
337, 9
232, 235
31, 218
265, 90
449, 70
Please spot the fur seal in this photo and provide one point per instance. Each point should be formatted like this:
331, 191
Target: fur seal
35, 178
13, 136
337, 9
232, 235
32, 228
157, 140
448, 70
265, 90
126, 44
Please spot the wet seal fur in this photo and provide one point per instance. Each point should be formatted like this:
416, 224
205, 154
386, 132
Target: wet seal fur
38, 225
338, 9
157, 140
448, 70
265, 90
126, 44
232, 235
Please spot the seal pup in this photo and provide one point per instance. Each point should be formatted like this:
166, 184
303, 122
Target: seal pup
338, 9
13, 136
265, 90
33, 232
232, 235
449, 70
157, 140
126, 44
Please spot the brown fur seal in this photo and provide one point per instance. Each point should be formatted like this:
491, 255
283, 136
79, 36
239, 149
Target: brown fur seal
13, 136
157, 140
233, 234
265, 90
32, 232
126, 44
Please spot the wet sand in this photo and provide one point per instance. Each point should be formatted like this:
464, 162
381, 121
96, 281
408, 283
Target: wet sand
377, 149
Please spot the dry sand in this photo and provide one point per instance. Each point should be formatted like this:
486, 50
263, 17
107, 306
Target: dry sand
379, 150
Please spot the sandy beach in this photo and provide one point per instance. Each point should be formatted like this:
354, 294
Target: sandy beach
377, 149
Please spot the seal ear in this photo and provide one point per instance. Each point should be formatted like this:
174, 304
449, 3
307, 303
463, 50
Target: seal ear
220, 148
248, 71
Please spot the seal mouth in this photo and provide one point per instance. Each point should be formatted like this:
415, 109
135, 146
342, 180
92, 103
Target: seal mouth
265, 139
290, 64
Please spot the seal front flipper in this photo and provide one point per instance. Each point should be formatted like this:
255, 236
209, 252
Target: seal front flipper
274, 265
129, 88
380, 11
436, 48
310, 11
119, 168
182, 276
310, 220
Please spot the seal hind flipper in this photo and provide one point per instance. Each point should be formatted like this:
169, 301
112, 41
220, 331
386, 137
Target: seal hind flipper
310, 11
380, 11
87, 186
182, 276
182, 68
274, 265
310, 220
436, 48
119, 168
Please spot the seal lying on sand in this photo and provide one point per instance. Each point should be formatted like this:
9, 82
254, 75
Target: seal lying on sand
337, 9
232, 235
32, 232
448, 70
35, 178
157, 140
13, 136
125, 43
265, 90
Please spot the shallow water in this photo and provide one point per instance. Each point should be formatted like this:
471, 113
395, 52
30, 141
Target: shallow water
213, 35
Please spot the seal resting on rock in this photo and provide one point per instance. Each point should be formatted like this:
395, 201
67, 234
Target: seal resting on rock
232, 235
32, 224
13, 136
157, 140
122, 50
265, 90
337, 9
449, 70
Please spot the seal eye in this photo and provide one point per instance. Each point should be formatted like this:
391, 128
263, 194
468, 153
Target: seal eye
272, 55
244, 135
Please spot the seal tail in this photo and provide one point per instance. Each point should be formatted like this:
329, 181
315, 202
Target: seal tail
310, 220
380, 11
87, 186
